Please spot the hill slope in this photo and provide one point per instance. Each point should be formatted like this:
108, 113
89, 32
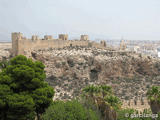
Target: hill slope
70, 69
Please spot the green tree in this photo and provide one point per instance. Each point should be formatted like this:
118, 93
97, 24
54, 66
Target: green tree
106, 90
128, 114
154, 94
103, 97
69, 110
23, 91
124, 114
113, 101
158, 116
154, 98
3, 64
105, 93
91, 91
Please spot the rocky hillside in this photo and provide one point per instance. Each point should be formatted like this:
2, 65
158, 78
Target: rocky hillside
4, 50
70, 69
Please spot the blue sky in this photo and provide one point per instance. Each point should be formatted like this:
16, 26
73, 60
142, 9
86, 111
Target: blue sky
104, 19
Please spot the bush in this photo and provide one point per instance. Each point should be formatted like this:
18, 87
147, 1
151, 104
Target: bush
23, 92
70, 110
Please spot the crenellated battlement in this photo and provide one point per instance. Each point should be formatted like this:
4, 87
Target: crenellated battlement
137, 104
103, 43
35, 37
63, 36
48, 37
20, 44
84, 37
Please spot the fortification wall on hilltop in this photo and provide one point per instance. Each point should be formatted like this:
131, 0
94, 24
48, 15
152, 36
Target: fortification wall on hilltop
21, 44
139, 105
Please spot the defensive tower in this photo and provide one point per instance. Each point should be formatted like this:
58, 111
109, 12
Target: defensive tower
84, 37
63, 36
16, 38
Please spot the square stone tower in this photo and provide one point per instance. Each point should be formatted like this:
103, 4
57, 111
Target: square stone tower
123, 45
48, 37
35, 37
84, 37
103, 43
63, 36
16, 39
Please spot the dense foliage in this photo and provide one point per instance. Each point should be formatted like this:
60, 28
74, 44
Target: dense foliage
154, 99
23, 92
104, 93
154, 94
102, 96
69, 110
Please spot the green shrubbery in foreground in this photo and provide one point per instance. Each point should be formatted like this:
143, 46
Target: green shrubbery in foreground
23, 92
95, 101
25, 95
69, 110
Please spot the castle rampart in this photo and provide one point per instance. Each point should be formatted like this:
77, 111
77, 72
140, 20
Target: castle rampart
63, 36
20, 44
48, 37
84, 37
137, 104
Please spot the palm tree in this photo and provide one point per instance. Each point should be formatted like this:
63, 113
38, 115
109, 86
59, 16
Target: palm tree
154, 98
91, 90
102, 96
113, 101
98, 90
106, 90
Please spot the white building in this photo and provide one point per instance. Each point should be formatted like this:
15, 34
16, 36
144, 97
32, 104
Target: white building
158, 51
136, 48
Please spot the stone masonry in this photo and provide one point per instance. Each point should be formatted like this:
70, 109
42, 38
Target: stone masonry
21, 44
140, 104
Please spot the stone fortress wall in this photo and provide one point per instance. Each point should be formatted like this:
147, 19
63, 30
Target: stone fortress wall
138, 104
20, 44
